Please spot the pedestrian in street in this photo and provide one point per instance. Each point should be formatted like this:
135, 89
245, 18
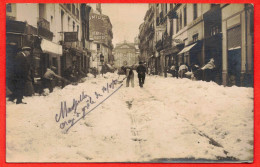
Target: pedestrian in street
11, 52
173, 70
182, 70
195, 72
21, 72
129, 76
141, 70
29, 84
48, 78
95, 72
209, 69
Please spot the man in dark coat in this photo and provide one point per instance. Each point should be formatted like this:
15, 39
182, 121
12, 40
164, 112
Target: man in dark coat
141, 70
11, 52
21, 72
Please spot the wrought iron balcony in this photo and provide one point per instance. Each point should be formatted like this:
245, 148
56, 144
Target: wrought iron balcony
44, 29
43, 23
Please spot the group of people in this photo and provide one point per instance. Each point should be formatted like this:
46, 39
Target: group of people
20, 75
194, 72
141, 71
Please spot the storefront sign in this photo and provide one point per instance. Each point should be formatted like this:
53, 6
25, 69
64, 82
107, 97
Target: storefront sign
70, 36
50, 47
98, 27
177, 40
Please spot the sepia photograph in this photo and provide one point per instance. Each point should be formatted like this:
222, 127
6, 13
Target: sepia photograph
129, 82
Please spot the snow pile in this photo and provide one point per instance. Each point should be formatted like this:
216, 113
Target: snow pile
168, 118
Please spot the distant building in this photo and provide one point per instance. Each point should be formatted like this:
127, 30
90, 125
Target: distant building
126, 53
101, 36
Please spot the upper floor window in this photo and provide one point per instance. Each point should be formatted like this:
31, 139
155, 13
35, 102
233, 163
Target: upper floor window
214, 30
77, 13
68, 6
73, 9
68, 23
177, 24
180, 20
98, 47
195, 11
195, 37
185, 15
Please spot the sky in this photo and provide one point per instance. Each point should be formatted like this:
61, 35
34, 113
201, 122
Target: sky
125, 19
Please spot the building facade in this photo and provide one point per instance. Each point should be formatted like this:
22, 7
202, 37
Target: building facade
54, 31
101, 36
238, 44
195, 33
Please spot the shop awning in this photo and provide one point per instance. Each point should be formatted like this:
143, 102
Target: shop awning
186, 49
50, 47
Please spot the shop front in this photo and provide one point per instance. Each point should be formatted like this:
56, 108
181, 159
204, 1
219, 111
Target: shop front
237, 53
191, 54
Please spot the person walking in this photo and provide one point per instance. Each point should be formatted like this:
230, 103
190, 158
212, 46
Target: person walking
209, 69
129, 76
182, 70
21, 72
141, 70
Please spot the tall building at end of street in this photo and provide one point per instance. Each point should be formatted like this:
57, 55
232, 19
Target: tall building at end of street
126, 53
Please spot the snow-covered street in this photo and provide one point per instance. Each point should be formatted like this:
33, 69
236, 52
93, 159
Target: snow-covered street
168, 120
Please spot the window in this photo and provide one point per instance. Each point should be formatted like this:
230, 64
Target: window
177, 24
68, 23
180, 20
171, 27
214, 30
62, 16
73, 25
68, 6
77, 13
195, 37
195, 12
98, 47
9, 7
185, 15
73, 9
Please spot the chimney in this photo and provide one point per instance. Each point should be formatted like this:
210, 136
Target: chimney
98, 8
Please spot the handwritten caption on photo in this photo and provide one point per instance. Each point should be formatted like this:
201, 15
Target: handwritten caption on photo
70, 115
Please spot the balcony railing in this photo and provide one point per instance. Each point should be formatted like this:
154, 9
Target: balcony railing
43, 23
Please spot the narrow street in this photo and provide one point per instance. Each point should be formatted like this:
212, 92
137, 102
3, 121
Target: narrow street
169, 120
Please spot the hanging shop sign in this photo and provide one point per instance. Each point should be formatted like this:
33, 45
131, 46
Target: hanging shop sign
70, 36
